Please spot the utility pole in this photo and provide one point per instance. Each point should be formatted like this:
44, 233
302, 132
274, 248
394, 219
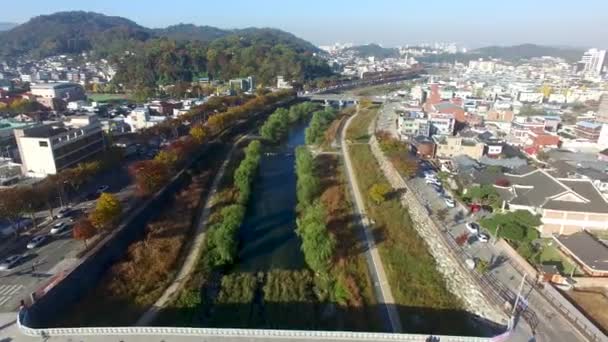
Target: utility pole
521, 287
496, 237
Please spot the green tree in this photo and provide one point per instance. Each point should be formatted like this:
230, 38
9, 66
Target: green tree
317, 244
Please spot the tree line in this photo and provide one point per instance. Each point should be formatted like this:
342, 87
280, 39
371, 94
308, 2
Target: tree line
318, 125
276, 126
317, 243
223, 243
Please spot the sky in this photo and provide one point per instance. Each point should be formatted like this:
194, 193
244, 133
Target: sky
471, 23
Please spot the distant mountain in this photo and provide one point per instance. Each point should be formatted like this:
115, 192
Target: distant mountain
78, 31
526, 51
68, 32
7, 26
374, 50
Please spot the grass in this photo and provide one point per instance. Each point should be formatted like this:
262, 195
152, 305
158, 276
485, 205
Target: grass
380, 89
134, 283
233, 307
410, 268
549, 254
358, 128
354, 288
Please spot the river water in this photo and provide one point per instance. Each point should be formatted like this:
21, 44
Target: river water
267, 237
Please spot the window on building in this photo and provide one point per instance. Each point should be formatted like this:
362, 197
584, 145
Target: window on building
43, 143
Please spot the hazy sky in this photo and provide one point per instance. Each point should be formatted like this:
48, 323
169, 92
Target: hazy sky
473, 23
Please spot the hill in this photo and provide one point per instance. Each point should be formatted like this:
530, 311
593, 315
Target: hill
526, 51
374, 50
7, 26
68, 32
191, 32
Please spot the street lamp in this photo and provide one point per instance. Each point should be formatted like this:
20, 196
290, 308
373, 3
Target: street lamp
496, 237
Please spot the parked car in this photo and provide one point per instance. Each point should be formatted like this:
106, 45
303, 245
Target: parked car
473, 227
449, 202
10, 262
64, 212
483, 237
432, 181
59, 228
37, 241
103, 188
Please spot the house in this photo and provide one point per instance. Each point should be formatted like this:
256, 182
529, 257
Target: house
448, 147
566, 206
588, 130
585, 250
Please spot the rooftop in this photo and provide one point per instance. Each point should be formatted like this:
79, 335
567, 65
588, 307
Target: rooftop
589, 124
587, 249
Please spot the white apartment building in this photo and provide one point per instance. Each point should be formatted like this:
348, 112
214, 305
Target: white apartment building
441, 123
140, 118
49, 148
593, 61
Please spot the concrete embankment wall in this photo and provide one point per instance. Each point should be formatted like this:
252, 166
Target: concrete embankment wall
458, 281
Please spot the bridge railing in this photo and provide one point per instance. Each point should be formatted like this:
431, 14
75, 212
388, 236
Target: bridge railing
246, 334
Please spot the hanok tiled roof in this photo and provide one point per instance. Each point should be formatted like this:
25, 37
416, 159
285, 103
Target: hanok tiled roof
586, 248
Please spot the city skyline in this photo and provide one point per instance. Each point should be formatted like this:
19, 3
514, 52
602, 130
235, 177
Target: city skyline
472, 24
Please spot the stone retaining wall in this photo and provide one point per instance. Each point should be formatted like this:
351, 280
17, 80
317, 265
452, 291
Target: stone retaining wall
458, 280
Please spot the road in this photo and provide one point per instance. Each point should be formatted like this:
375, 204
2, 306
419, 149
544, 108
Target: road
551, 325
381, 286
60, 252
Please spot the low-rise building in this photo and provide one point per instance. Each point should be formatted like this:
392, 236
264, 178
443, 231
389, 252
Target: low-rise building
448, 147
57, 95
588, 130
442, 124
585, 250
566, 206
49, 148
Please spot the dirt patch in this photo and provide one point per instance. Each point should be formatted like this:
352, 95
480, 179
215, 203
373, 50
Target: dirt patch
593, 301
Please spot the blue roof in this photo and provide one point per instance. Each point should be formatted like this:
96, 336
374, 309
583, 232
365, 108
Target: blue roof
588, 124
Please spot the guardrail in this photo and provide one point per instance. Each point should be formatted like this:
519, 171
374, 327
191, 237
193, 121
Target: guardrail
245, 334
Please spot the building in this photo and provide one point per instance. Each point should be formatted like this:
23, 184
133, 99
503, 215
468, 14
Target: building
282, 83
448, 147
593, 61
588, 130
140, 118
442, 124
49, 148
57, 95
530, 97
450, 108
500, 115
423, 146
585, 250
566, 206
602, 112
411, 124
243, 84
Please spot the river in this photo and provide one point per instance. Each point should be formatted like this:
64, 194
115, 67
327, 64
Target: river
267, 237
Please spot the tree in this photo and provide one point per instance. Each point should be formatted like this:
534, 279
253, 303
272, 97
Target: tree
199, 133
378, 192
12, 205
149, 175
168, 158
83, 230
317, 244
107, 211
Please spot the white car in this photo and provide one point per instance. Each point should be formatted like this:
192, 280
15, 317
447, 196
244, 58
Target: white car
59, 228
473, 227
432, 181
36, 241
483, 237
449, 202
10, 262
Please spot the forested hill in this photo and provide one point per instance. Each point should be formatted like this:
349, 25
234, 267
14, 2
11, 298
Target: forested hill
166, 56
527, 51
374, 50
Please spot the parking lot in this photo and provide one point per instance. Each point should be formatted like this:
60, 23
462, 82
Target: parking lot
40, 265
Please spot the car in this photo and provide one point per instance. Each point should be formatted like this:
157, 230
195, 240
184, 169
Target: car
36, 241
432, 181
449, 202
102, 188
483, 237
64, 212
472, 227
59, 228
10, 262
